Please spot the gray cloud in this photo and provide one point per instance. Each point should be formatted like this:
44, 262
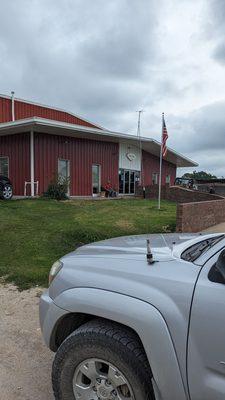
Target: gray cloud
219, 52
89, 59
217, 14
203, 129
106, 59
201, 136
122, 47
216, 30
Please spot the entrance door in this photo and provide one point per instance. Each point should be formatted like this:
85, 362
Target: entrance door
96, 180
64, 171
132, 182
127, 180
206, 345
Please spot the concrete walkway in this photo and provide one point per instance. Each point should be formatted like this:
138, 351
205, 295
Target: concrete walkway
220, 228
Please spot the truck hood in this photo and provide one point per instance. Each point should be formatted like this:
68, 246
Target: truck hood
120, 265
162, 245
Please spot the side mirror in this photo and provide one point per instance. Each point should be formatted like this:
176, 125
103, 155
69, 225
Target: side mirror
217, 272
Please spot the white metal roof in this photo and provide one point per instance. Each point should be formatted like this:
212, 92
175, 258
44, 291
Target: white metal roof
61, 128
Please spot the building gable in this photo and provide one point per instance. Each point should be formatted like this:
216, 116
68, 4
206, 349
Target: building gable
24, 109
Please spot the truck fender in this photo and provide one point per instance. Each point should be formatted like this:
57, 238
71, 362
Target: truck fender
145, 320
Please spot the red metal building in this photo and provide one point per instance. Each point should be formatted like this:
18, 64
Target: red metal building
37, 142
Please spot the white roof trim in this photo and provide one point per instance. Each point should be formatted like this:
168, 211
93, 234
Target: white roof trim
51, 108
29, 123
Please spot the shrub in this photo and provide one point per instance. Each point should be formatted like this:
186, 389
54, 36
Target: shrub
58, 188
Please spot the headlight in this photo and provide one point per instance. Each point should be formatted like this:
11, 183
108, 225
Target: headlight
54, 270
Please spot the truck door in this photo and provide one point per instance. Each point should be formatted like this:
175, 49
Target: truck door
206, 344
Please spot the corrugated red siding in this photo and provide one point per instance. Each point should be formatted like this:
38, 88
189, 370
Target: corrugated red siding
151, 165
82, 153
17, 148
27, 110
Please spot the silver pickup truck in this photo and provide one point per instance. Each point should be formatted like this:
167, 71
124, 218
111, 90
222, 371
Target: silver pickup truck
138, 318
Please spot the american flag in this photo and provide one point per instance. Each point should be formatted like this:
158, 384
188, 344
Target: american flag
164, 138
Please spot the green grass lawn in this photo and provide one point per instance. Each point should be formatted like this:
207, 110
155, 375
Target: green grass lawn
35, 233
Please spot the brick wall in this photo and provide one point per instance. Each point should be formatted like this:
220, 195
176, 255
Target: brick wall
194, 217
179, 194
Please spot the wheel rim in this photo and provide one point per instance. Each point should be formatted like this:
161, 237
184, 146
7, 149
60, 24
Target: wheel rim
96, 379
7, 192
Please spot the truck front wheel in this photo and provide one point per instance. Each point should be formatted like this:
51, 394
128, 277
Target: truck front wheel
102, 361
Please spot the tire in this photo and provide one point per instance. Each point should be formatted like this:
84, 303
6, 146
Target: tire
6, 192
106, 343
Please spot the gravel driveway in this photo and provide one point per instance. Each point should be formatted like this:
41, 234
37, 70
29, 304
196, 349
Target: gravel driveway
25, 362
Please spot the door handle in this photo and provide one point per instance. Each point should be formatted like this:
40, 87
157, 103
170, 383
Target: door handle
222, 362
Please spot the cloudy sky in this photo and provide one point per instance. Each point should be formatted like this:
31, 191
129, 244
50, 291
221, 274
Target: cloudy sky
106, 59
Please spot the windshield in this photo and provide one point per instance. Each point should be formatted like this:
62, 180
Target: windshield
193, 252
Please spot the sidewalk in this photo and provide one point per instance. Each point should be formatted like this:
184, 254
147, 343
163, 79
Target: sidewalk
220, 228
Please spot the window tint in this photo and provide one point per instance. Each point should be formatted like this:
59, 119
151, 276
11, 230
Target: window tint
4, 166
215, 275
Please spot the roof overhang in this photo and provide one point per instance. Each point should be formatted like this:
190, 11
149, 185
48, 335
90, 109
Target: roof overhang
61, 128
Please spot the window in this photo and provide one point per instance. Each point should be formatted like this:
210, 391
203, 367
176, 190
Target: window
168, 179
96, 179
215, 275
63, 168
64, 171
155, 178
4, 166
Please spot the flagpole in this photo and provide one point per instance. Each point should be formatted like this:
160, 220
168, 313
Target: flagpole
160, 168
140, 144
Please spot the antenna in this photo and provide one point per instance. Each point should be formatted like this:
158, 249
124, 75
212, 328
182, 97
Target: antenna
149, 255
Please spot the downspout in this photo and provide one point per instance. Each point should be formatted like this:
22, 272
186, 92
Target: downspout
13, 106
32, 162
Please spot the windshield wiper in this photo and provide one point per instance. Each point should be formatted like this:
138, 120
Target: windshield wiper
197, 249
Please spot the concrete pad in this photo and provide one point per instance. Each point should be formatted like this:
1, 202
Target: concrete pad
220, 228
